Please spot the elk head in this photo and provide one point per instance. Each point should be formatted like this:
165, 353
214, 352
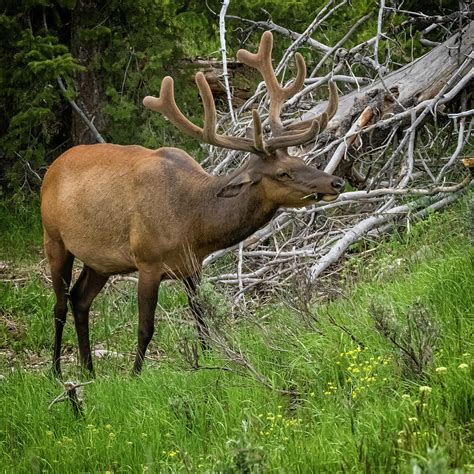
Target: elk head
284, 179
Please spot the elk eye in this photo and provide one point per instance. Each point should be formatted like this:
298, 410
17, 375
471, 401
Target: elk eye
284, 175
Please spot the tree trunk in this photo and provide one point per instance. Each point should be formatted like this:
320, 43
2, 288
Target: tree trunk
89, 84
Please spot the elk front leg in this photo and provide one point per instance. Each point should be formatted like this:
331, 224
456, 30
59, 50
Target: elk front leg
148, 286
191, 289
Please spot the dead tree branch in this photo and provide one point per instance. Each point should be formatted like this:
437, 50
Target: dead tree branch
225, 75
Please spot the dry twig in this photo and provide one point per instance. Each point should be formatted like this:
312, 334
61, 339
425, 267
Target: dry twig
74, 392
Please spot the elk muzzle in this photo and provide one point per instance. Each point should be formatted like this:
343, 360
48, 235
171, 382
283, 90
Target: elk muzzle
336, 186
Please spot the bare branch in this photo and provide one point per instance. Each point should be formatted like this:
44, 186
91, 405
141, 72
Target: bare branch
271, 26
363, 227
349, 139
340, 43
379, 33
83, 116
225, 74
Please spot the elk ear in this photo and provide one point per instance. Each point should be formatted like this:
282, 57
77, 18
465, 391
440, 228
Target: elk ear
236, 185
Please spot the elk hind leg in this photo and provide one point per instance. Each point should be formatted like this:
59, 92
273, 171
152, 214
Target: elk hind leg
60, 262
86, 288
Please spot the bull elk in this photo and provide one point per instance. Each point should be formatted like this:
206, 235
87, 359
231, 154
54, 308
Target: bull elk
119, 209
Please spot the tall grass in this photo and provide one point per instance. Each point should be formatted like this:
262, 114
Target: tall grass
352, 402
20, 228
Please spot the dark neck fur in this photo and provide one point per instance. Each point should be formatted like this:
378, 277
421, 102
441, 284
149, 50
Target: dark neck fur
228, 221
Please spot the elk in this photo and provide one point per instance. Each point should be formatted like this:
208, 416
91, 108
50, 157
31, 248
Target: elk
120, 209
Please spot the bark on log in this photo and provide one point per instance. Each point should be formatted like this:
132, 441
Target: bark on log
418, 81
213, 70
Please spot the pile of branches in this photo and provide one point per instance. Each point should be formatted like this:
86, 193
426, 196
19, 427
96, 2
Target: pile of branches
398, 139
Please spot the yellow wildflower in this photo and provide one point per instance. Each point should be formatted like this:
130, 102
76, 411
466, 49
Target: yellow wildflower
441, 370
463, 366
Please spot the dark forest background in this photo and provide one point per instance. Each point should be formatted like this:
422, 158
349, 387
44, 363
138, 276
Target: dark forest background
109, 55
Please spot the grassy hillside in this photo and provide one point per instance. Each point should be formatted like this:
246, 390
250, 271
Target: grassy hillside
379, 379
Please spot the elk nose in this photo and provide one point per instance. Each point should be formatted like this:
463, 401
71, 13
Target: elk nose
338, 184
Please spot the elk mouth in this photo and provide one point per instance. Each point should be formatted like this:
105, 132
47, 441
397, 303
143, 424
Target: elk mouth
321, 197
327, 197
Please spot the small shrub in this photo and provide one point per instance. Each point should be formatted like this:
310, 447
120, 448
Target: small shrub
414, 335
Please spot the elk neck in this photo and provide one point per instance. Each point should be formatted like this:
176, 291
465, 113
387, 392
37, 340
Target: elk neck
226, 221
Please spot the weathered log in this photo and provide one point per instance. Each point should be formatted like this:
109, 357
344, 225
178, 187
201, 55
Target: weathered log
213, 71
418, 81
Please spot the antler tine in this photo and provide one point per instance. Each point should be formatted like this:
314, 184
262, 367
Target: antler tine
166, 105
331, 110
210, 122
333, 102
259, 142
295, 138
262, 61
210, 114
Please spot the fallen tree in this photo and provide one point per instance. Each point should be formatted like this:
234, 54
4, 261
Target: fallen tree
398, 140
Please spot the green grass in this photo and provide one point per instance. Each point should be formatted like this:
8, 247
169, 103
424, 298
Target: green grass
352, 407
20, 229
